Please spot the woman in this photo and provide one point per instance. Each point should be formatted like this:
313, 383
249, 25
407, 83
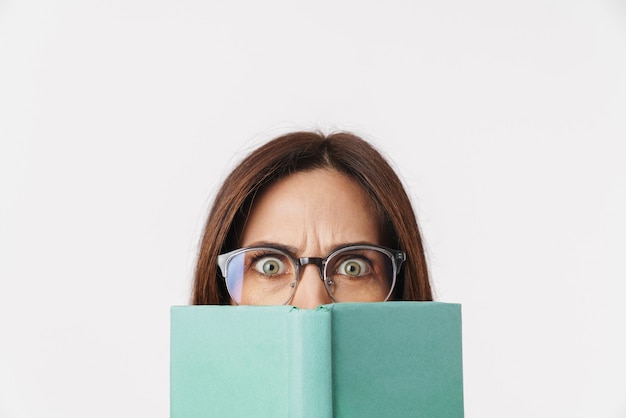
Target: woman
308, 219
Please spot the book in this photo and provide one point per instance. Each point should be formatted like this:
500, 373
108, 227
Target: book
389, 359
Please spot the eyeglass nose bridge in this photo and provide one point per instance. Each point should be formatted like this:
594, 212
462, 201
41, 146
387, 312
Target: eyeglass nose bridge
317, 261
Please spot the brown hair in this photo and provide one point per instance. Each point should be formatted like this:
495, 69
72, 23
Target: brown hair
302, 151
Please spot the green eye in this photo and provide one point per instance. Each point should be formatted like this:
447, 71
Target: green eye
352, 268
269, 266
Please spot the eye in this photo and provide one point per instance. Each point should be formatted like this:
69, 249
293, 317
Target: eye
269, 266
353, 267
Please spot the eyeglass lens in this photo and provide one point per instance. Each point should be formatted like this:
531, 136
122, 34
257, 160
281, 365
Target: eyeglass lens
265, 276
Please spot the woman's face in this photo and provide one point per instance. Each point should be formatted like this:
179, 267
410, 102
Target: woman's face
312, 213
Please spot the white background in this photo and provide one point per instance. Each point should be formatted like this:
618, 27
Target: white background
119, 118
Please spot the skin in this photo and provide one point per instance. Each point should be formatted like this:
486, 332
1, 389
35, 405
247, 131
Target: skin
312, 213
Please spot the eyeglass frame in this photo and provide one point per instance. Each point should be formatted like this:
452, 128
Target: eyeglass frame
398, 257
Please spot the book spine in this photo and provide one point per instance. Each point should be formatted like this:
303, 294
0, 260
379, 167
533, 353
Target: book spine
310, 363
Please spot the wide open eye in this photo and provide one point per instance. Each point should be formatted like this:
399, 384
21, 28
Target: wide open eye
269, 265
353, 267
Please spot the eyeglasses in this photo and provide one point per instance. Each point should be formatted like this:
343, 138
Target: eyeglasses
269, 276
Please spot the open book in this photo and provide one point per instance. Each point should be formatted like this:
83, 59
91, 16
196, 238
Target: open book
390, 359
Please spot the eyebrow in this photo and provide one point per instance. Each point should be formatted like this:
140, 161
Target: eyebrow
287, 248
294, 250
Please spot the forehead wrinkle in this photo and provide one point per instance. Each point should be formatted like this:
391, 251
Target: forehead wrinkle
320, 239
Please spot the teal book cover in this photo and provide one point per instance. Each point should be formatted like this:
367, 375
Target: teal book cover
389, 359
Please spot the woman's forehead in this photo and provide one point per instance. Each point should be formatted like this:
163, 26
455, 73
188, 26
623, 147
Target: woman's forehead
320, 208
